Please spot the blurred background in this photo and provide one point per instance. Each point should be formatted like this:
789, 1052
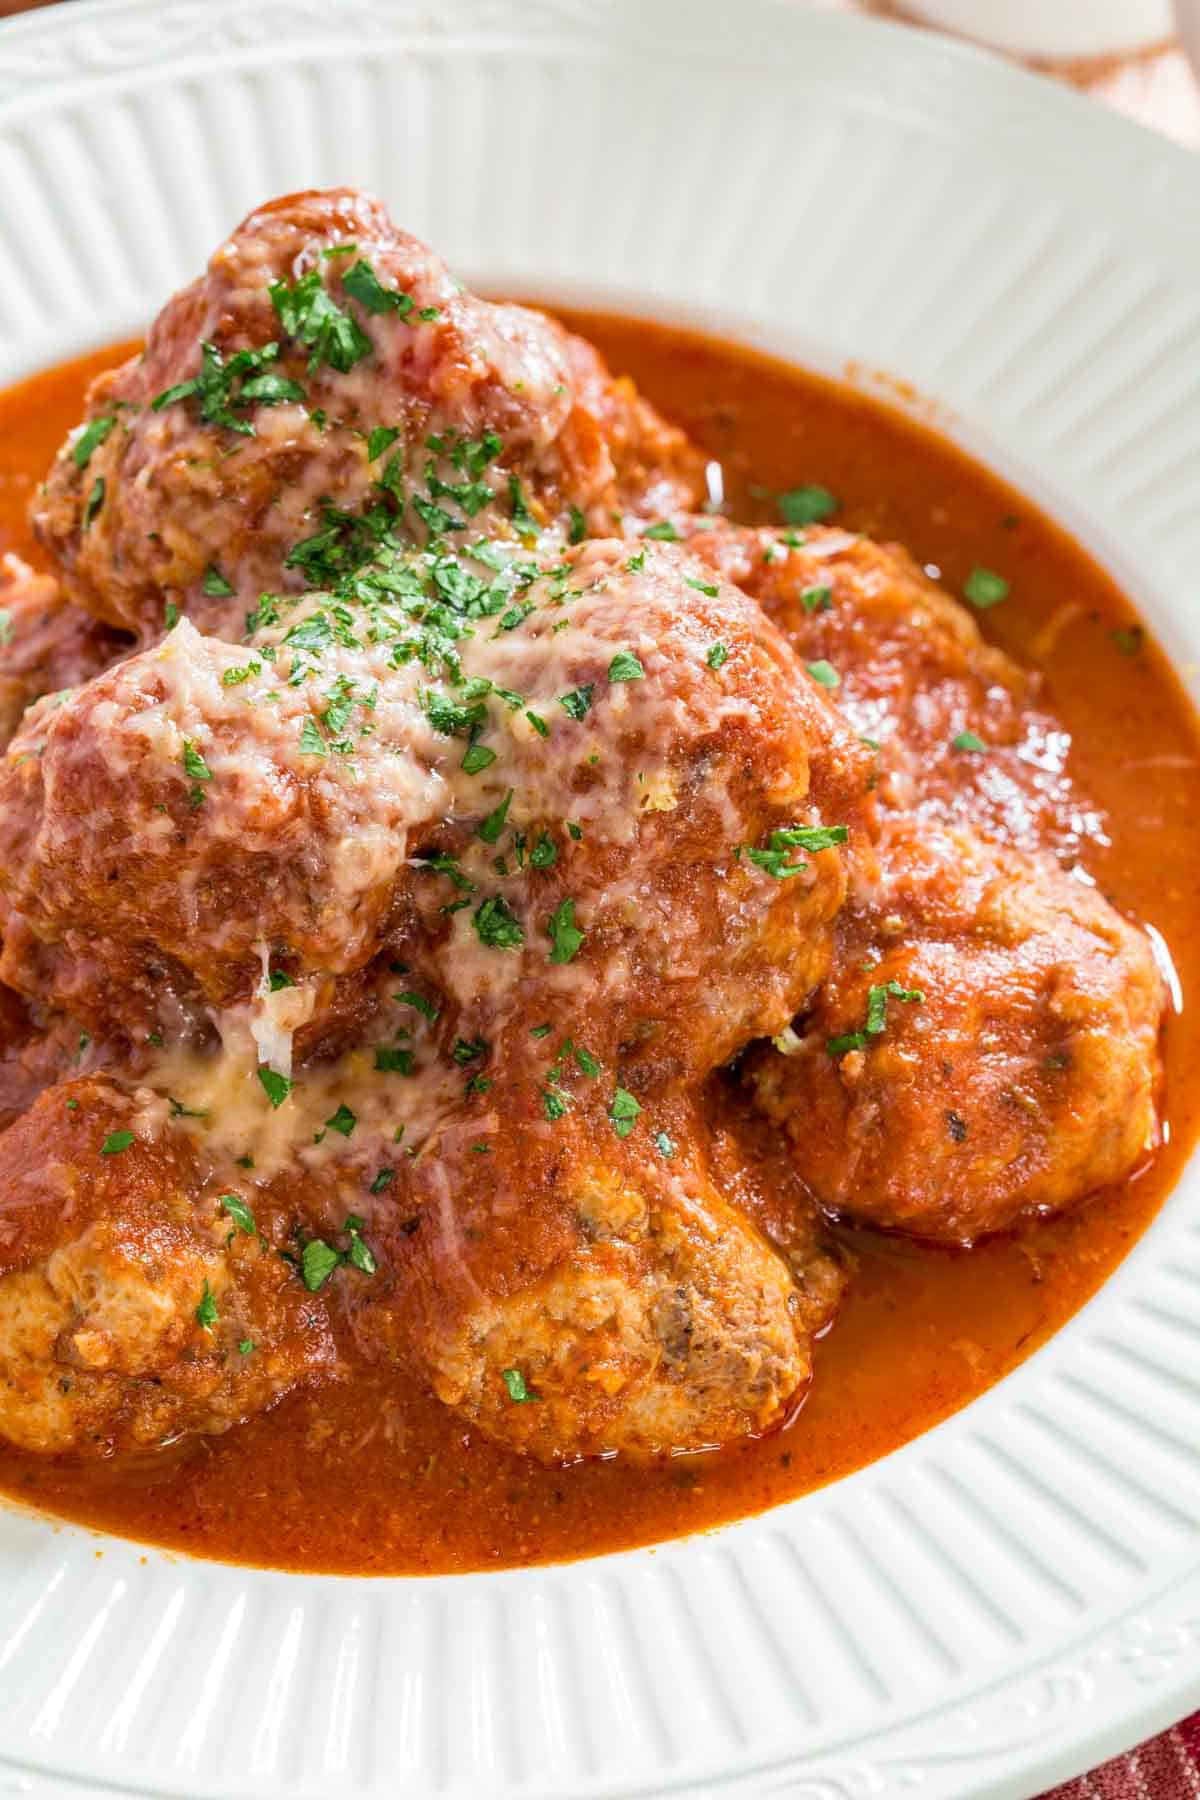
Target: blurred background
1125, 52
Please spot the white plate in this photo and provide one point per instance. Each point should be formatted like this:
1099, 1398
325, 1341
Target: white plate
1017, 1594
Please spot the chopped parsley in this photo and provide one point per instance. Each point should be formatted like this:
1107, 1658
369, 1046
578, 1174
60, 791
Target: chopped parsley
565, 936
193, 763
115, 1142
969, 740
214, 584
806, 505
309, 314
392, 1061
418, 1001
774, 859
708, 588
275, 1086
984, 588
384, 1179
493, 825
824, 672
1129, 639
625, 667
578, 530
665, 533
624, 1112
477, 758
206, 1313
90, 439
718, 655
664, 1145
518, 1390
318, 1260
239, 1212
381, 438
544, 854
876, 1020
816, 599
94, 502
279, 978
311, 741
523, 520
222, 386
578, 702
361, 281
343, 1121
497, 926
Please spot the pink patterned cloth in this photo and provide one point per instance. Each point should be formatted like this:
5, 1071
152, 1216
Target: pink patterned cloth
1167, 1768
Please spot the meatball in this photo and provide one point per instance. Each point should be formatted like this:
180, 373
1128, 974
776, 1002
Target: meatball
575, 1293
327, 385
317, 799
46, 644
960, 730
137, 1303
606, 856
984, 1048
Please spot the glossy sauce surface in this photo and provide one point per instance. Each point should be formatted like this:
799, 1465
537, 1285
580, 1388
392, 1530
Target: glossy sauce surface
359, 1477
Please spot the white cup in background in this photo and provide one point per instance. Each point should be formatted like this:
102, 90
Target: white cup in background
1066, 29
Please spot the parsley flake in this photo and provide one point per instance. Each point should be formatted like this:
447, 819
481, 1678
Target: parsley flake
193, 763
206, 1313
275, 1086
308, 313
95, 501
477, 758
565, 936
625, 667
515, 1382
343, 1121
496, 926
806, 505
214, 584
578, 702
239, 1212
318, 1260
984, 588
115, 1142
624, 1112
90, 439
493, 825
364, 285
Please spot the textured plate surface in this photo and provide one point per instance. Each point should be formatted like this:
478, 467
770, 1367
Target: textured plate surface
1017, 1594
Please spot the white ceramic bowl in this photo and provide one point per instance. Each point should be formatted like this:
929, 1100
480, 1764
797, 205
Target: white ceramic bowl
1017, 1594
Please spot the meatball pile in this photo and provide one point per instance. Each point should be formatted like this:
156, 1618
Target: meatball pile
402, 841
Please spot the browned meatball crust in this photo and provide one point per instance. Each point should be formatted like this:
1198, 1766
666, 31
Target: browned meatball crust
135, 1306
961, 731
191, 814
328, 367
46, 644
984, 1048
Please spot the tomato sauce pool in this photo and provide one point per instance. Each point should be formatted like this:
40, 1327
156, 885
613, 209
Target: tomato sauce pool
361, 1477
